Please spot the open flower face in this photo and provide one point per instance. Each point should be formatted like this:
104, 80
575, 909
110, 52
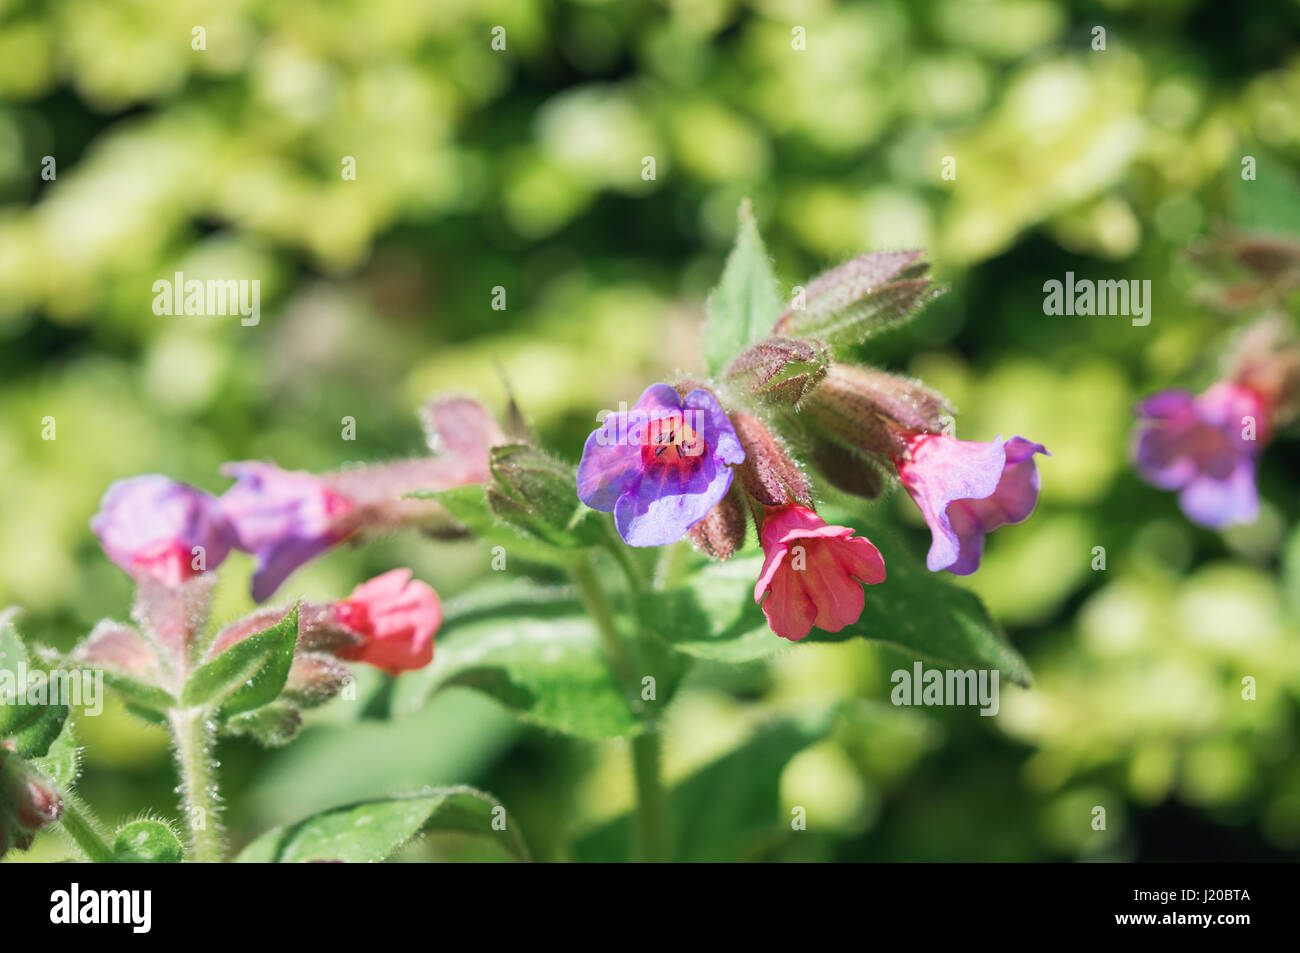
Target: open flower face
813, 573
1199, 446
153, 526
661, 466
967, 489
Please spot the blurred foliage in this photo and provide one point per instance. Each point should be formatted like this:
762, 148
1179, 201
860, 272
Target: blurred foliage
522, 169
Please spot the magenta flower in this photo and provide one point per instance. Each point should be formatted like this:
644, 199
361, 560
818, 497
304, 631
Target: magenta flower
660, 467
967, 489
813, 573
1198, 447
153, 526
282, 517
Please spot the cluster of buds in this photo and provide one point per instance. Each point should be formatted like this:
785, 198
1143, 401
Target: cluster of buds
668, 468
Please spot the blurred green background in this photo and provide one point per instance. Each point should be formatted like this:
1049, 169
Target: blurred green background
522, 169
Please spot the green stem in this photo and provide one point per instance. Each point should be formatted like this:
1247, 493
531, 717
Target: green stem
651, 798
593, 597
84, 829
192, 732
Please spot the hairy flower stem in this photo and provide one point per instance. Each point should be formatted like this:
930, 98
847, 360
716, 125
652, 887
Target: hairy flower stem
84, 829
652, 814
200, 801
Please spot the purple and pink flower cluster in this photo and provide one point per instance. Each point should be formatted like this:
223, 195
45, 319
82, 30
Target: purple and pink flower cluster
662, 466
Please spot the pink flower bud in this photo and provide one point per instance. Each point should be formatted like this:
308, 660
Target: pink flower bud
396, 617
36, 803
813, 573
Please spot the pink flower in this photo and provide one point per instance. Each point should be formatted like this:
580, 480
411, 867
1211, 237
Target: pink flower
966, 490
396, 617
152, 526
812, 572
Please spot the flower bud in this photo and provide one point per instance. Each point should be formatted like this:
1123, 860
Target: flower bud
768, 474
460, 433
28, 803
862, 296
1266, 361
779, 371
722, 531
120, 648
865, 409
315, 678
534, 493
36, 803
848, 470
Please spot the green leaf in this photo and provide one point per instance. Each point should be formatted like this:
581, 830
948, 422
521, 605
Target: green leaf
136, 692
728, 810
35, 738
62, 759
372, 830
551, 671
714, 616
248, 674
14, 714
468, 505
745, 305
146, 842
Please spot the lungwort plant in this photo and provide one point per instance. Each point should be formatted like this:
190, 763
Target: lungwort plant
612, 578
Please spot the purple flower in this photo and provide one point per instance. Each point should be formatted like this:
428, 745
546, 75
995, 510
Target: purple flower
1197, 446
967, 489
660, 467
154, 526
282, 517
